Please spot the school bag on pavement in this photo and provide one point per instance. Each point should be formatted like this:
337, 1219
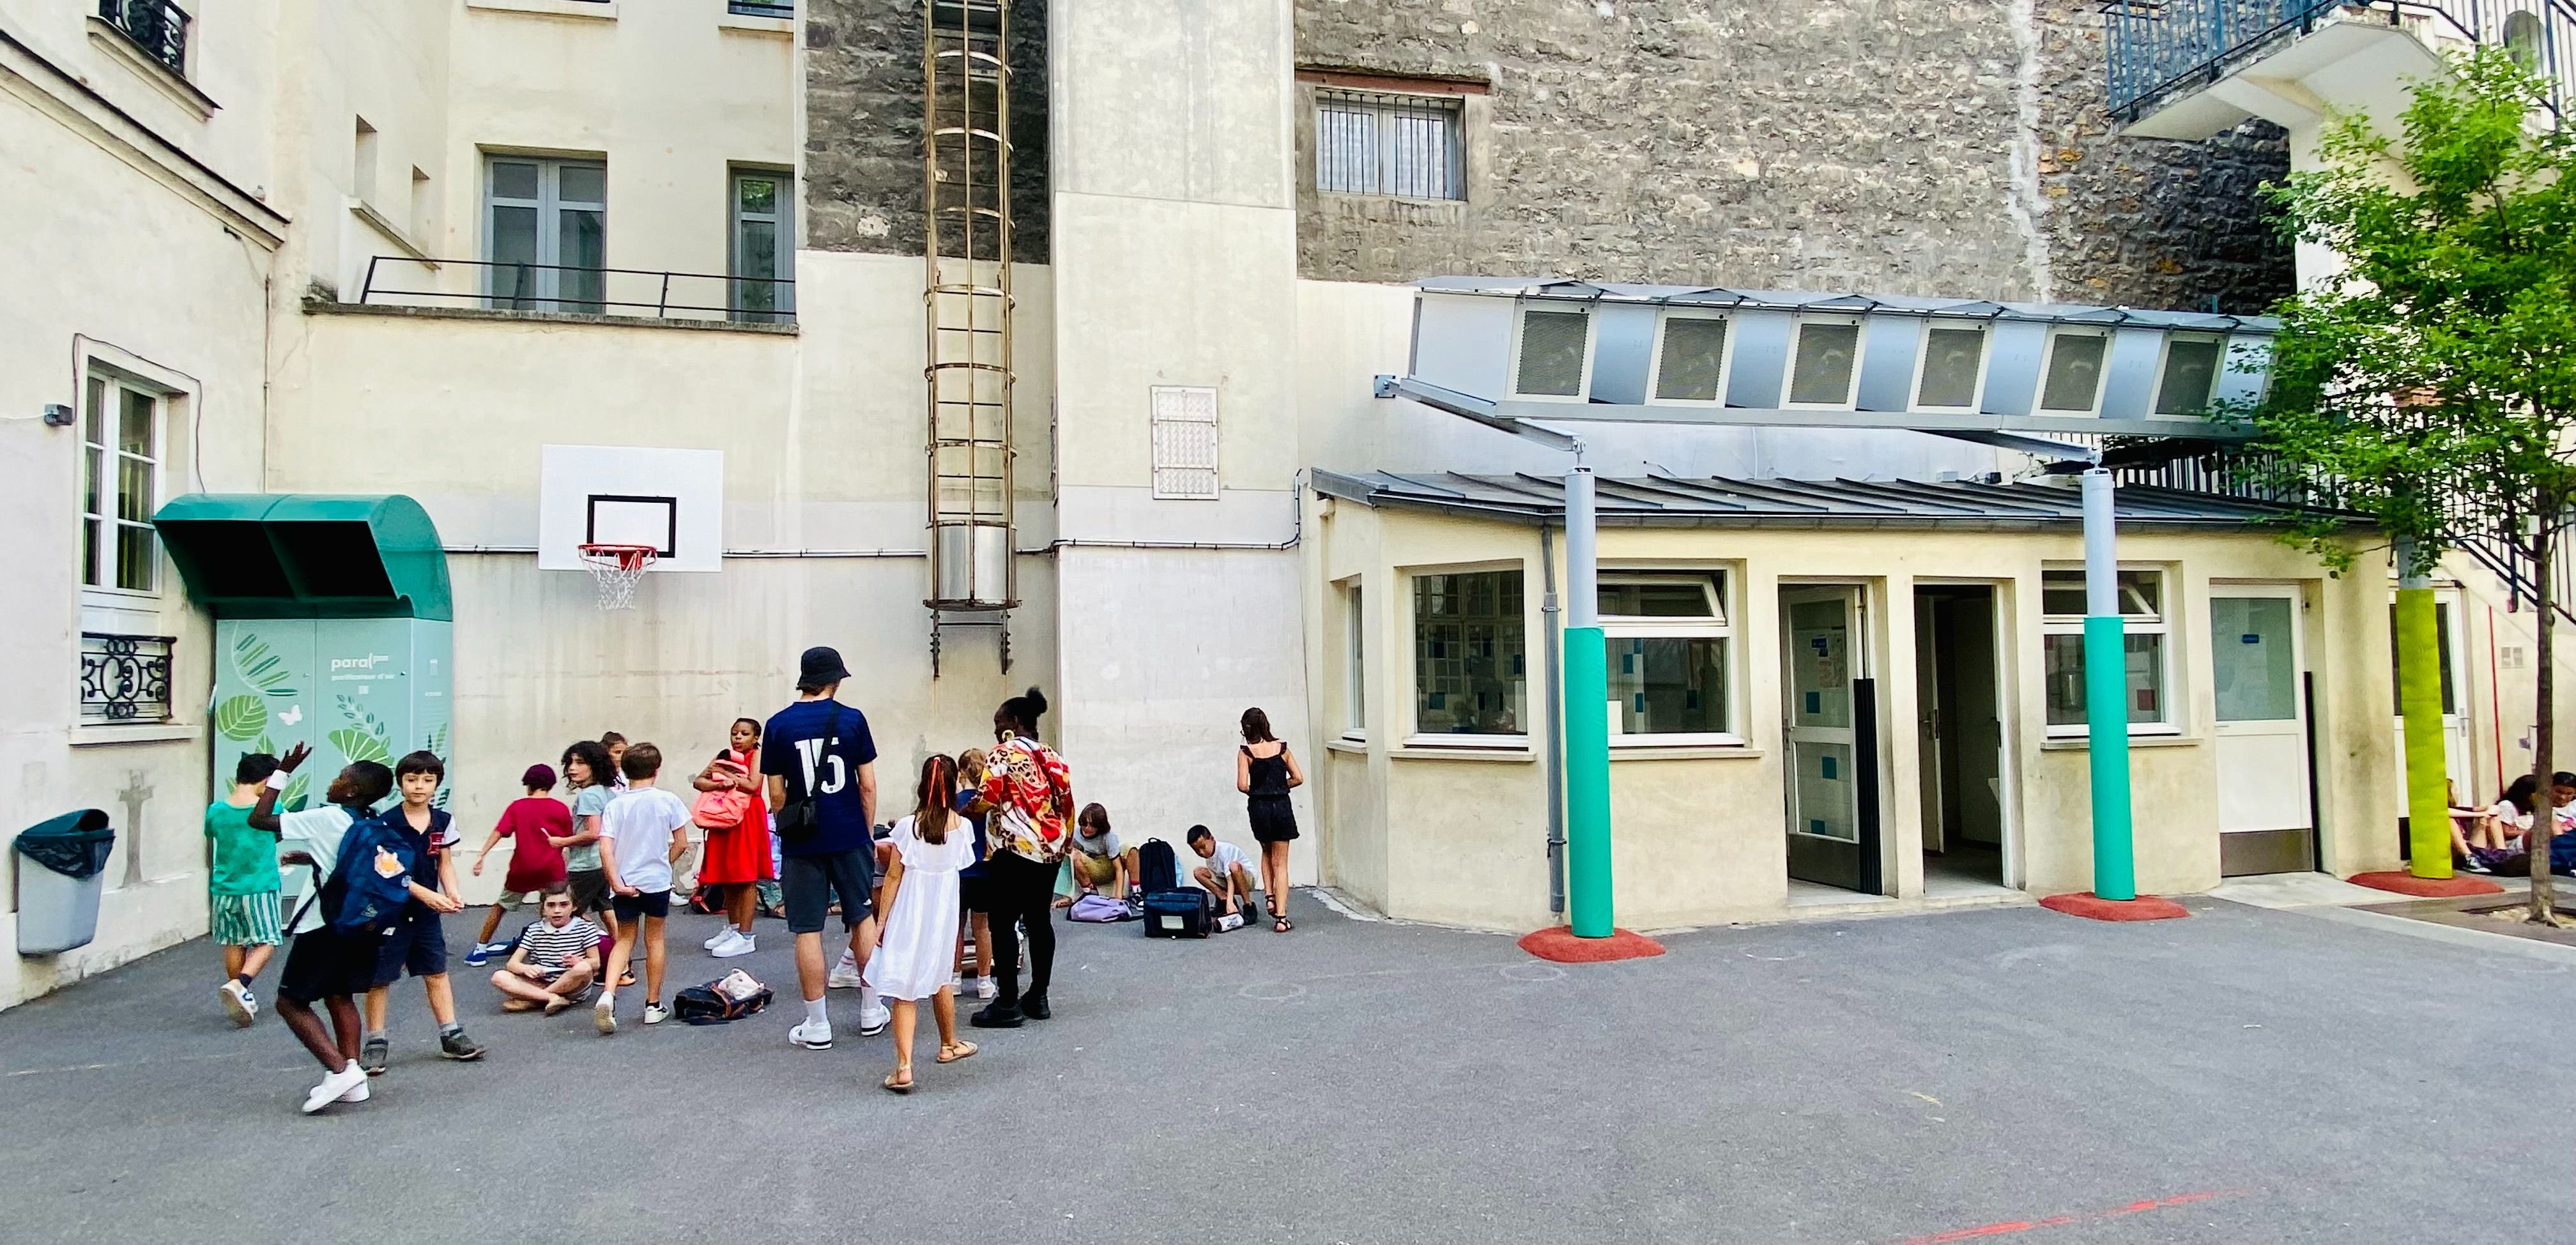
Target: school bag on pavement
726, 999
1185, 912
375, 898
1100, 909
1156, 869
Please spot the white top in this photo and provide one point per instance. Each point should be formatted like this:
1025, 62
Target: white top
919, 945
954, 852
639, 825
317, 832
1228, 858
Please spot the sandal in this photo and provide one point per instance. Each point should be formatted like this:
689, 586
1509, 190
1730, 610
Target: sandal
626, 979
904, 1071
1280, 924
954, 1051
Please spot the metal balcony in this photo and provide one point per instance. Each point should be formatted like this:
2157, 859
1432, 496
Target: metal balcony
158, 27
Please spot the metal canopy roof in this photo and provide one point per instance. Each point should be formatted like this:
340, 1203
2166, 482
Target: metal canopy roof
307, 555
1846, 303
1666, 501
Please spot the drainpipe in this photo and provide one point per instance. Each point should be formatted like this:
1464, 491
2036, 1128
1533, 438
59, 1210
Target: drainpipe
2106, 696
2419, 699
1587, 725
1555, 725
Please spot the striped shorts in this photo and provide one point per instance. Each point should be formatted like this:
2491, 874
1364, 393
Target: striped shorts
246, 920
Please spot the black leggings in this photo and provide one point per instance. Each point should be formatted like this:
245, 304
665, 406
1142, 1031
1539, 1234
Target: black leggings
1021, 890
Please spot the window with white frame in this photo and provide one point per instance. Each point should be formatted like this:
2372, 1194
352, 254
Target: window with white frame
1371, 143
1952, 371
1355, 686
545, 234
1671, 653
1185, 449
1470, 665
1552, 355
2147, 643
1824, 362
121, 451
2189, 378
762, 251
1690, 358
2071, 377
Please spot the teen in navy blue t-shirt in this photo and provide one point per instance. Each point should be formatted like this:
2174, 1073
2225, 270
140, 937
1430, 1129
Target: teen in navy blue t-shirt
819, 748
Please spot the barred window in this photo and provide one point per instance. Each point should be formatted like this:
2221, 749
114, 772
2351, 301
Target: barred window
1368, 143
1184, 418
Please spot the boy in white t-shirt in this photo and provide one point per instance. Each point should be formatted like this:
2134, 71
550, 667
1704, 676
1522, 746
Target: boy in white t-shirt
636, 838
1227, 874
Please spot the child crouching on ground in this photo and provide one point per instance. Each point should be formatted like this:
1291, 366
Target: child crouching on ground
1101, 865
556, 960
1226, 875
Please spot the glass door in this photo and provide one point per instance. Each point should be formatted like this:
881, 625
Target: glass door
1827, 733
2261, 730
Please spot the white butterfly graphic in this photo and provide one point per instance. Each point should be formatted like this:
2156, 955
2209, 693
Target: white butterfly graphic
291, 715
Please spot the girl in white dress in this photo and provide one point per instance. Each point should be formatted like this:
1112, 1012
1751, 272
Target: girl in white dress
920, 938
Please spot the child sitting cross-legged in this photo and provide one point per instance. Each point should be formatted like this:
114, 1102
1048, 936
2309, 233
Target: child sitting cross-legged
556, 959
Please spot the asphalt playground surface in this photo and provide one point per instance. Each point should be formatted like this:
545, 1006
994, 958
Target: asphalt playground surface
2245, 1074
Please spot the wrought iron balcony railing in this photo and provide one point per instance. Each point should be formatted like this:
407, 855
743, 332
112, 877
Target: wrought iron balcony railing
2160, 48
761, 8
159, 27
511, 286
125, 679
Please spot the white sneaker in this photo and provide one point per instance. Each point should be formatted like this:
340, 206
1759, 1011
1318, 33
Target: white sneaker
334, 1086
957, 983
739, 944
238, 1002
603, 1016
722, 936
811, 1036
655, 1013
986, 988
873, 1020
357, 1093
845, 974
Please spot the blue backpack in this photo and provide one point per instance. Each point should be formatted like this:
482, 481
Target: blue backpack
372, 901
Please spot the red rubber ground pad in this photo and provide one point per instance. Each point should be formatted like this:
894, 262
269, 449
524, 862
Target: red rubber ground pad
1558, 943
2092, 908
2441, 888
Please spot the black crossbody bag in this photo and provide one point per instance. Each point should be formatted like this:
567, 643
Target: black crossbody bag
797, 819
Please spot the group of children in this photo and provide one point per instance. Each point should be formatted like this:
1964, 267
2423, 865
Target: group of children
2496, 839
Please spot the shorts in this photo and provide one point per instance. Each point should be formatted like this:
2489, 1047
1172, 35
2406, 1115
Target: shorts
1092, 870
811, 882
589, 889
974, 892
325, 963
245, 920
419, 945
655, 904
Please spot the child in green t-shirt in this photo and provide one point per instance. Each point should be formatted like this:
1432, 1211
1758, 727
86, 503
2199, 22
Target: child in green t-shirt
242, 886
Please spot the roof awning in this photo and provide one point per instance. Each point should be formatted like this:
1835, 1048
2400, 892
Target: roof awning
307, 555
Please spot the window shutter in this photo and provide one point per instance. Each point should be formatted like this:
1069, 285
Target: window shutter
1185, 442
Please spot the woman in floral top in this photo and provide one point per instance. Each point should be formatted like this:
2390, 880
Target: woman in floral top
1030, 792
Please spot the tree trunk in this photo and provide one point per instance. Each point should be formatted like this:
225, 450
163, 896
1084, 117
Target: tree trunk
2544, 819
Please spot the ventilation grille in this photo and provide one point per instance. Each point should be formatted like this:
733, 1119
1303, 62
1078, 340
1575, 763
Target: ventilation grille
1694, 358
1185, 442
1551, 362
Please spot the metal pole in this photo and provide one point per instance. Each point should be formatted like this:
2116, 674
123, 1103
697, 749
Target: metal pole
2106, 695
2419, 699
1587, 725
1554, 648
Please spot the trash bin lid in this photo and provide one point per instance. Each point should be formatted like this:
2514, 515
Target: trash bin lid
75, 844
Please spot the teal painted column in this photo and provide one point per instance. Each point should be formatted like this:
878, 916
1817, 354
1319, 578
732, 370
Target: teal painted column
2106, 697
1587, 719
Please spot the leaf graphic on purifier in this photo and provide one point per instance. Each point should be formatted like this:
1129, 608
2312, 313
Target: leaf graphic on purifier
439, 801
438, 742
259, 667
296, 791
241, 717
358, 745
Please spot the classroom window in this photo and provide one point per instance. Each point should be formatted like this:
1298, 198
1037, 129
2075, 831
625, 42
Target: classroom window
1554, 352
121, 446
1367, 143
1953, 368
1671, 656
1184, 442
2190, 375
1470, 670
2146, 641
1690, 360
546, 234
1824, 366
763, 246
2071, 381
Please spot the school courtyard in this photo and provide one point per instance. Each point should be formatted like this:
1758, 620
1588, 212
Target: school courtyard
2243, 1074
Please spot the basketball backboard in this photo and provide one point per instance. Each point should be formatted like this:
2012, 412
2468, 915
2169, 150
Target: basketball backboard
670, 500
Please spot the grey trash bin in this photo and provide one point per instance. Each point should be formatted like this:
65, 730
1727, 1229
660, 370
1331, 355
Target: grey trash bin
60, 863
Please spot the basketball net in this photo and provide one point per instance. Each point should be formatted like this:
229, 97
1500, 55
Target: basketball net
614, 570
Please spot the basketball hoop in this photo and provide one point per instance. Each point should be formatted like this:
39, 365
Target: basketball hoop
615, 568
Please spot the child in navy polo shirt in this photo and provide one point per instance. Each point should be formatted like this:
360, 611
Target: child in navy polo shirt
420, 942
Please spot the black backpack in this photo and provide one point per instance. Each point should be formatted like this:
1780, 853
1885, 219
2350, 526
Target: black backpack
706, 1005
1156, 867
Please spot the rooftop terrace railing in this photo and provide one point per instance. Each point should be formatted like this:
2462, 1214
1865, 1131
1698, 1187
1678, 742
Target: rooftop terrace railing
506, 285
2158, 49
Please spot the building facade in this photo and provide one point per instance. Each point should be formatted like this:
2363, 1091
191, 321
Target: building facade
408, 247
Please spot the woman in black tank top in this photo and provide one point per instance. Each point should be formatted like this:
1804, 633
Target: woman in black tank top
1265, 772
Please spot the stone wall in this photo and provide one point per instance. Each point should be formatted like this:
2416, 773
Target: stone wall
863, 173
1938, 147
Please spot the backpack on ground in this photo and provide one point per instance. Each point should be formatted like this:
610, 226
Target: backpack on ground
721, 1001
1184, 912
1099, 909
1156, 868
375, 899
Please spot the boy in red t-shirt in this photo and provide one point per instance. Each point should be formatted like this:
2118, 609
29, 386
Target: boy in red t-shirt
538, 826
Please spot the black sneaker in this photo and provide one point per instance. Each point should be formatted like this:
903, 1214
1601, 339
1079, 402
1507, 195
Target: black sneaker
1034, 1006
459, 1047
374, 1054
997, 1016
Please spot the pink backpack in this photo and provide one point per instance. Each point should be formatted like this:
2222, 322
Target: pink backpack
724, 809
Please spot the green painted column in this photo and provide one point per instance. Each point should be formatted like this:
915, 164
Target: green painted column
2419, 699
1587, 783
2106, 697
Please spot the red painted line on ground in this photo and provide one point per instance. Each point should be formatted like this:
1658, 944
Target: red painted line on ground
2011, 1227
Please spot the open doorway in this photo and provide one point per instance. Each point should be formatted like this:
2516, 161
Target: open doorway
1959, 737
